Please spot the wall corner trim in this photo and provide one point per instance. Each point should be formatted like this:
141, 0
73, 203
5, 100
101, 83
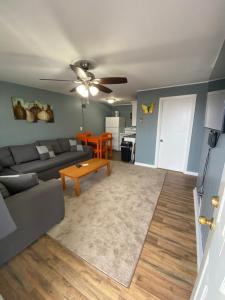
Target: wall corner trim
191, 173
198, 228
145, 165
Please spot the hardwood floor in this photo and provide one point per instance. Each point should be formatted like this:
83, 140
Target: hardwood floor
166, 268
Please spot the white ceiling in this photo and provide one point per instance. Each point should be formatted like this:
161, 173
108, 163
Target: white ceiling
154, 43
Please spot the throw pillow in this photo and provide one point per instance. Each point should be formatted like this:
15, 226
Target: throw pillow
20, 182
80, 148
45, 152
3, 190
7, 224
73, 145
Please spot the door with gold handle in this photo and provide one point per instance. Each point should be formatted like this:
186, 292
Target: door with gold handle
204, 221
215, 200
210, 282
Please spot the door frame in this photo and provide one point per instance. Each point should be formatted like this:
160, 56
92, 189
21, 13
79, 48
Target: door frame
159, 124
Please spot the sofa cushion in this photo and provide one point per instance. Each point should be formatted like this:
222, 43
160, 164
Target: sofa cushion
64, 144
24, 153
20, 182
8, 171
51, 144
6, 159
3, 190
42, 165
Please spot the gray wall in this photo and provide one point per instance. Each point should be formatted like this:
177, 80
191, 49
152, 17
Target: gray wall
125, 111
67, 111
147, 129
215, 168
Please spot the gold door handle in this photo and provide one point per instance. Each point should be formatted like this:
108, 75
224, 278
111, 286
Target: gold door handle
215, 200
204, 221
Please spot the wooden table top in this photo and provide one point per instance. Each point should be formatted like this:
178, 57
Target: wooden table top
88, 166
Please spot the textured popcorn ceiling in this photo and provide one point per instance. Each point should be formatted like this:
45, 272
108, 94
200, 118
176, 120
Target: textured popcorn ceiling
154, 43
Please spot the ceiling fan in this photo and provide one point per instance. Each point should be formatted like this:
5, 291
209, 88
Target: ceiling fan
87, 81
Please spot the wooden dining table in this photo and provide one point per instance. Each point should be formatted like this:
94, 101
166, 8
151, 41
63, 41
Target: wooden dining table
96, 139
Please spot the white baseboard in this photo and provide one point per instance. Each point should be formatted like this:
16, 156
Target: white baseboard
191, 173
198, 229
145, 165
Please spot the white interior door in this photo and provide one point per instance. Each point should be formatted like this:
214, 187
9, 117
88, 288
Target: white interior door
210, 283
175, 122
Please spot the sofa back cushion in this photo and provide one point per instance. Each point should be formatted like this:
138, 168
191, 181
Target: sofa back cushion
51, 144
64, 144
6, 159
20, 182
24, 153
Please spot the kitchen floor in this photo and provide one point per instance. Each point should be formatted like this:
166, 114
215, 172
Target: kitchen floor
116, 155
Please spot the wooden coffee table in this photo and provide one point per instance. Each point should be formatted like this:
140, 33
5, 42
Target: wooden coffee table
89, 166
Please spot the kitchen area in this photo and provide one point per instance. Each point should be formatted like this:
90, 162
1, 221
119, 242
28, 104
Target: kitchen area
122, 125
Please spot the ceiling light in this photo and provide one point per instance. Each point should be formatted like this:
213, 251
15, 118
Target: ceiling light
93, 90
82, 90
111, 101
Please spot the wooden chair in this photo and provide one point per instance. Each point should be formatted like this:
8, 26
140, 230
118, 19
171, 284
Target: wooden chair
102, 147
89, 133
81, 137
108, 136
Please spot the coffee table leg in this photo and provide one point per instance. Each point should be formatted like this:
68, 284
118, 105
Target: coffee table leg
77, 186
63, 181
108, 169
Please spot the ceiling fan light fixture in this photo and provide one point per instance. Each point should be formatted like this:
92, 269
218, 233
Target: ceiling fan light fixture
82, 90
111, 100
93, 90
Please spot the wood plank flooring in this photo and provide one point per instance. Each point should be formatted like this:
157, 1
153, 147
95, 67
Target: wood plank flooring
166, 268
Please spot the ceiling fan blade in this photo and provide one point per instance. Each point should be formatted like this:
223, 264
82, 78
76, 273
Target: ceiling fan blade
56, 79
102, 88
111, 80
73, 90
81, 74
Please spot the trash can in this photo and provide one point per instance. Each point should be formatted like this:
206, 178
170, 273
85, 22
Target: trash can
126, 148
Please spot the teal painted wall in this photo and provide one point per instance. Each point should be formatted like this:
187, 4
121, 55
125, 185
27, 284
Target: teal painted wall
67, 111
125, 112
147, 129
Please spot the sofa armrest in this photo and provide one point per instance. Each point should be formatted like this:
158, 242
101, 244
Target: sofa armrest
34, 211
41, 205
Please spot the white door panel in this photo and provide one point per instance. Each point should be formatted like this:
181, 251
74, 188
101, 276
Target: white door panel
211, 277
176, 118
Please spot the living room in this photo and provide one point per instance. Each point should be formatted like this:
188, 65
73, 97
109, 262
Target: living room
112, 150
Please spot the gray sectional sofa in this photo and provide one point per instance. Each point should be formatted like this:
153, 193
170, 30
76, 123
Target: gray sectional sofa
25, 158
34, 212
37, 209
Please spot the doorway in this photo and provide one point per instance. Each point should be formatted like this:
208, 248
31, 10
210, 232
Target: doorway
175, 122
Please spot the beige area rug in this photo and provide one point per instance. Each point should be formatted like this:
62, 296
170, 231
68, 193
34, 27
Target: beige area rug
108, 223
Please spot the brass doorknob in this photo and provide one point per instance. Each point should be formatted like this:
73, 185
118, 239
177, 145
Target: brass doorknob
204, 221
215, 200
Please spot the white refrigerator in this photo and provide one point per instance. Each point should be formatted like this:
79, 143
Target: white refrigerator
115, 125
